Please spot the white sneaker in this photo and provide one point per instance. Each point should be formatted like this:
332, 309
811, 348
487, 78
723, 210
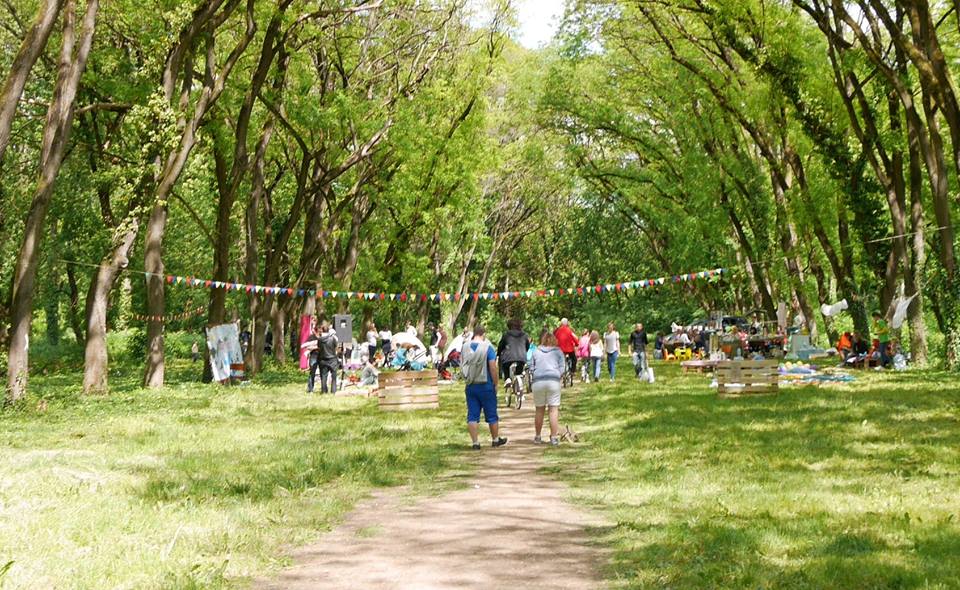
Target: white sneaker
537, 440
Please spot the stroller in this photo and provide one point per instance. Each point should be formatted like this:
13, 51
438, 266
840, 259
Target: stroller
448, 369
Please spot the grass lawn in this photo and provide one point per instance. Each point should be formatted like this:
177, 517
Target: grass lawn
854, 486
195, 486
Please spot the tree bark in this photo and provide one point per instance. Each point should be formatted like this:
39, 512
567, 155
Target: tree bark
56, 134
754, 268
278, 319
203, 25
230, 175
95, 358
75, 322
30, 49
918, 245
156, 304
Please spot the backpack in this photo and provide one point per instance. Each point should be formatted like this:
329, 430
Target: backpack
473, 363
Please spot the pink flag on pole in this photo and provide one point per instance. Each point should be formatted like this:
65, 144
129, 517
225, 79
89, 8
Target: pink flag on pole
306, 322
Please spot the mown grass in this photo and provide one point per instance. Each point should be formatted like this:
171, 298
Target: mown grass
854, 486
196, 486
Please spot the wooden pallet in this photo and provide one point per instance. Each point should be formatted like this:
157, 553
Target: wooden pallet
698, 366
408, 390
756, 378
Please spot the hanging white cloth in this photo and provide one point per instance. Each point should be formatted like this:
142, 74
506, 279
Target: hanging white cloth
900, 313
832, 310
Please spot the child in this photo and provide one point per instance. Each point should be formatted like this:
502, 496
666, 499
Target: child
369, 374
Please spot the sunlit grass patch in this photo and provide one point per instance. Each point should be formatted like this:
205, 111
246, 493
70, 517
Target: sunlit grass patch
819, 487
198, 486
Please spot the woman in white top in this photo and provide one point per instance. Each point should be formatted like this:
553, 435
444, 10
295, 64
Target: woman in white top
386, 343
371, 341
596, 353
611, 341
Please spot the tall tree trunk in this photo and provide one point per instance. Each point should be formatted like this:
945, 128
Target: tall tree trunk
180, 62
788, 245
484, 277
754, 269
30, 49
56, 134
230, 176
918, 245
156, 303
95, 360
253, 359
75, 323
279, 320
462, 286
823, 295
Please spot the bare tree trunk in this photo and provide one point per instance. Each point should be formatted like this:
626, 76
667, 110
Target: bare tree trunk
75, 323
754, 269
180, 61
253, 360
95, 361
484, 276
33, 44
462, 285
156, 304
56, 134
279, 320
918, 245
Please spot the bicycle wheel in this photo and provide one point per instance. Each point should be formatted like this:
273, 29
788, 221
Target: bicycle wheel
518, 392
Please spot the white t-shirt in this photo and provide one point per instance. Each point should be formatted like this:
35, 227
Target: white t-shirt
596, 349
386, 335
612, 341
371, 338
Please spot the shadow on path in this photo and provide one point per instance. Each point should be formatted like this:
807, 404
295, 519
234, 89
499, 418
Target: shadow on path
510, 528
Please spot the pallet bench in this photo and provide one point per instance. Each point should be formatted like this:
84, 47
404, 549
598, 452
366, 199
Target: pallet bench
735, 378
698, 366
408, 390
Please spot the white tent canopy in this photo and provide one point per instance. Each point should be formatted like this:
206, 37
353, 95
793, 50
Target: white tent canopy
405, 338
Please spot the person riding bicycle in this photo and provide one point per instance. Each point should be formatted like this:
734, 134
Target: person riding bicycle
567, 342
512, 349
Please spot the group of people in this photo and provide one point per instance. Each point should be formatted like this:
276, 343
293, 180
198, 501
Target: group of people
692, 337
854, 348
591, 348
403, 350
481, 371
555, 353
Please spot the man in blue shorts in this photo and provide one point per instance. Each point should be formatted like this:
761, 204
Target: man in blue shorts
478, 363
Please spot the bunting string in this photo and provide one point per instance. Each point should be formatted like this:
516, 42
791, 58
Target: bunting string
442, 296
169, 318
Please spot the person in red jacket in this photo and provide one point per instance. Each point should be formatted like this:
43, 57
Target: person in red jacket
567, 342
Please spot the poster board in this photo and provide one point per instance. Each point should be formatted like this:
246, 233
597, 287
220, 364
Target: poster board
226, 356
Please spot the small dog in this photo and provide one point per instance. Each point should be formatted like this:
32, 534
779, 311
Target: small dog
569, 435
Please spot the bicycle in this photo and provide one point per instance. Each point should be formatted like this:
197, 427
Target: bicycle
567, 379
515, 389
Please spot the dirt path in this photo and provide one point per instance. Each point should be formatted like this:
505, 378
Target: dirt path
510, 528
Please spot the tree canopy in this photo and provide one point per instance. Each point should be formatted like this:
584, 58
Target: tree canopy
811, 149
